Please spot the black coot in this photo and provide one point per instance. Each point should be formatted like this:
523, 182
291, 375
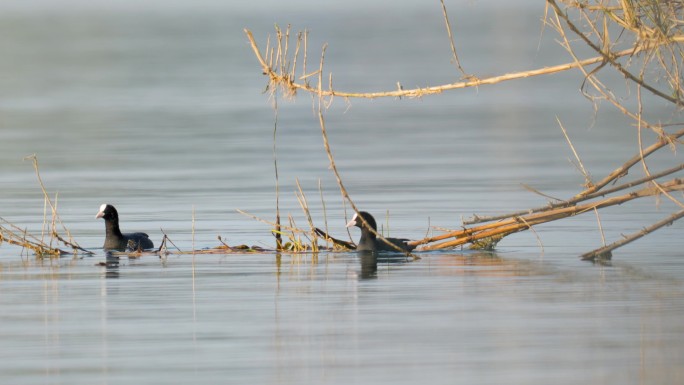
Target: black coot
114, 239
369, 241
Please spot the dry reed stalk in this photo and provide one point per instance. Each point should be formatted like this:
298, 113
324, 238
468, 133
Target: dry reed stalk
54, 233
274, 95
600, 226
451, 40
301, 198
325, 212
276, 233
40, 246
580, 164
18, 237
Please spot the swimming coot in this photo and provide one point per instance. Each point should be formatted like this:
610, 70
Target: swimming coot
369, 241
114, 239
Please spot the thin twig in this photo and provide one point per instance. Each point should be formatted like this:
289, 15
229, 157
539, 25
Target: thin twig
325, 212
451, 40
587, 176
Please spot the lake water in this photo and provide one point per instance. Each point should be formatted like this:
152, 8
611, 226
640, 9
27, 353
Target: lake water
159, 110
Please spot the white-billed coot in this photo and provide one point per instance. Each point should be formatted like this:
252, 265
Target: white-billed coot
114, 239
370, 242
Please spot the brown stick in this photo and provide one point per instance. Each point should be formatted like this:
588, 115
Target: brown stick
72, 245
622, 170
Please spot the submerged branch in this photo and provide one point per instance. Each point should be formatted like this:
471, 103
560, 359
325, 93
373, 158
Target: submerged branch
606, 251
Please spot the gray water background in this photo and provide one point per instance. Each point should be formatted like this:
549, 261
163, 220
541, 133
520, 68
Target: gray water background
159, 110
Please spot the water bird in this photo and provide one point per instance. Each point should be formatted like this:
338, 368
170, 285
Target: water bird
370, 242
114, 239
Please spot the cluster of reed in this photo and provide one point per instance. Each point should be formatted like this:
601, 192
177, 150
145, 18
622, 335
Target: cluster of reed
294, 238
639, 39
47, 244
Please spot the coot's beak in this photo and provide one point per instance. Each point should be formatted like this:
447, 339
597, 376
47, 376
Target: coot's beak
99, 215
352, 222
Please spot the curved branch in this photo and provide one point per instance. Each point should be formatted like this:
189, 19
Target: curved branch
286, 79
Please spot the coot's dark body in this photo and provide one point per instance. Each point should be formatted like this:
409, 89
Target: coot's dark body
114, 238
369, 241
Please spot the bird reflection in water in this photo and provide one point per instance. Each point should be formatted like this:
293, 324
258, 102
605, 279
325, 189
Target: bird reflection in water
111, 265
369, 262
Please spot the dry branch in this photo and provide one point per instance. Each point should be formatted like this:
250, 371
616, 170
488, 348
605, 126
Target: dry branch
286, 81
606, 251
523, 222
595, 190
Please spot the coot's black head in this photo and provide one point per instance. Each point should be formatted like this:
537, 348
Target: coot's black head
107, 212
356, 221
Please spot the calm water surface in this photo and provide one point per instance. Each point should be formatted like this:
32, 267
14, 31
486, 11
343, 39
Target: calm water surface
159, 111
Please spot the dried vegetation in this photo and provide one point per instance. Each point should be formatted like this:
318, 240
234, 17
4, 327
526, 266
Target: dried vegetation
641, 40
